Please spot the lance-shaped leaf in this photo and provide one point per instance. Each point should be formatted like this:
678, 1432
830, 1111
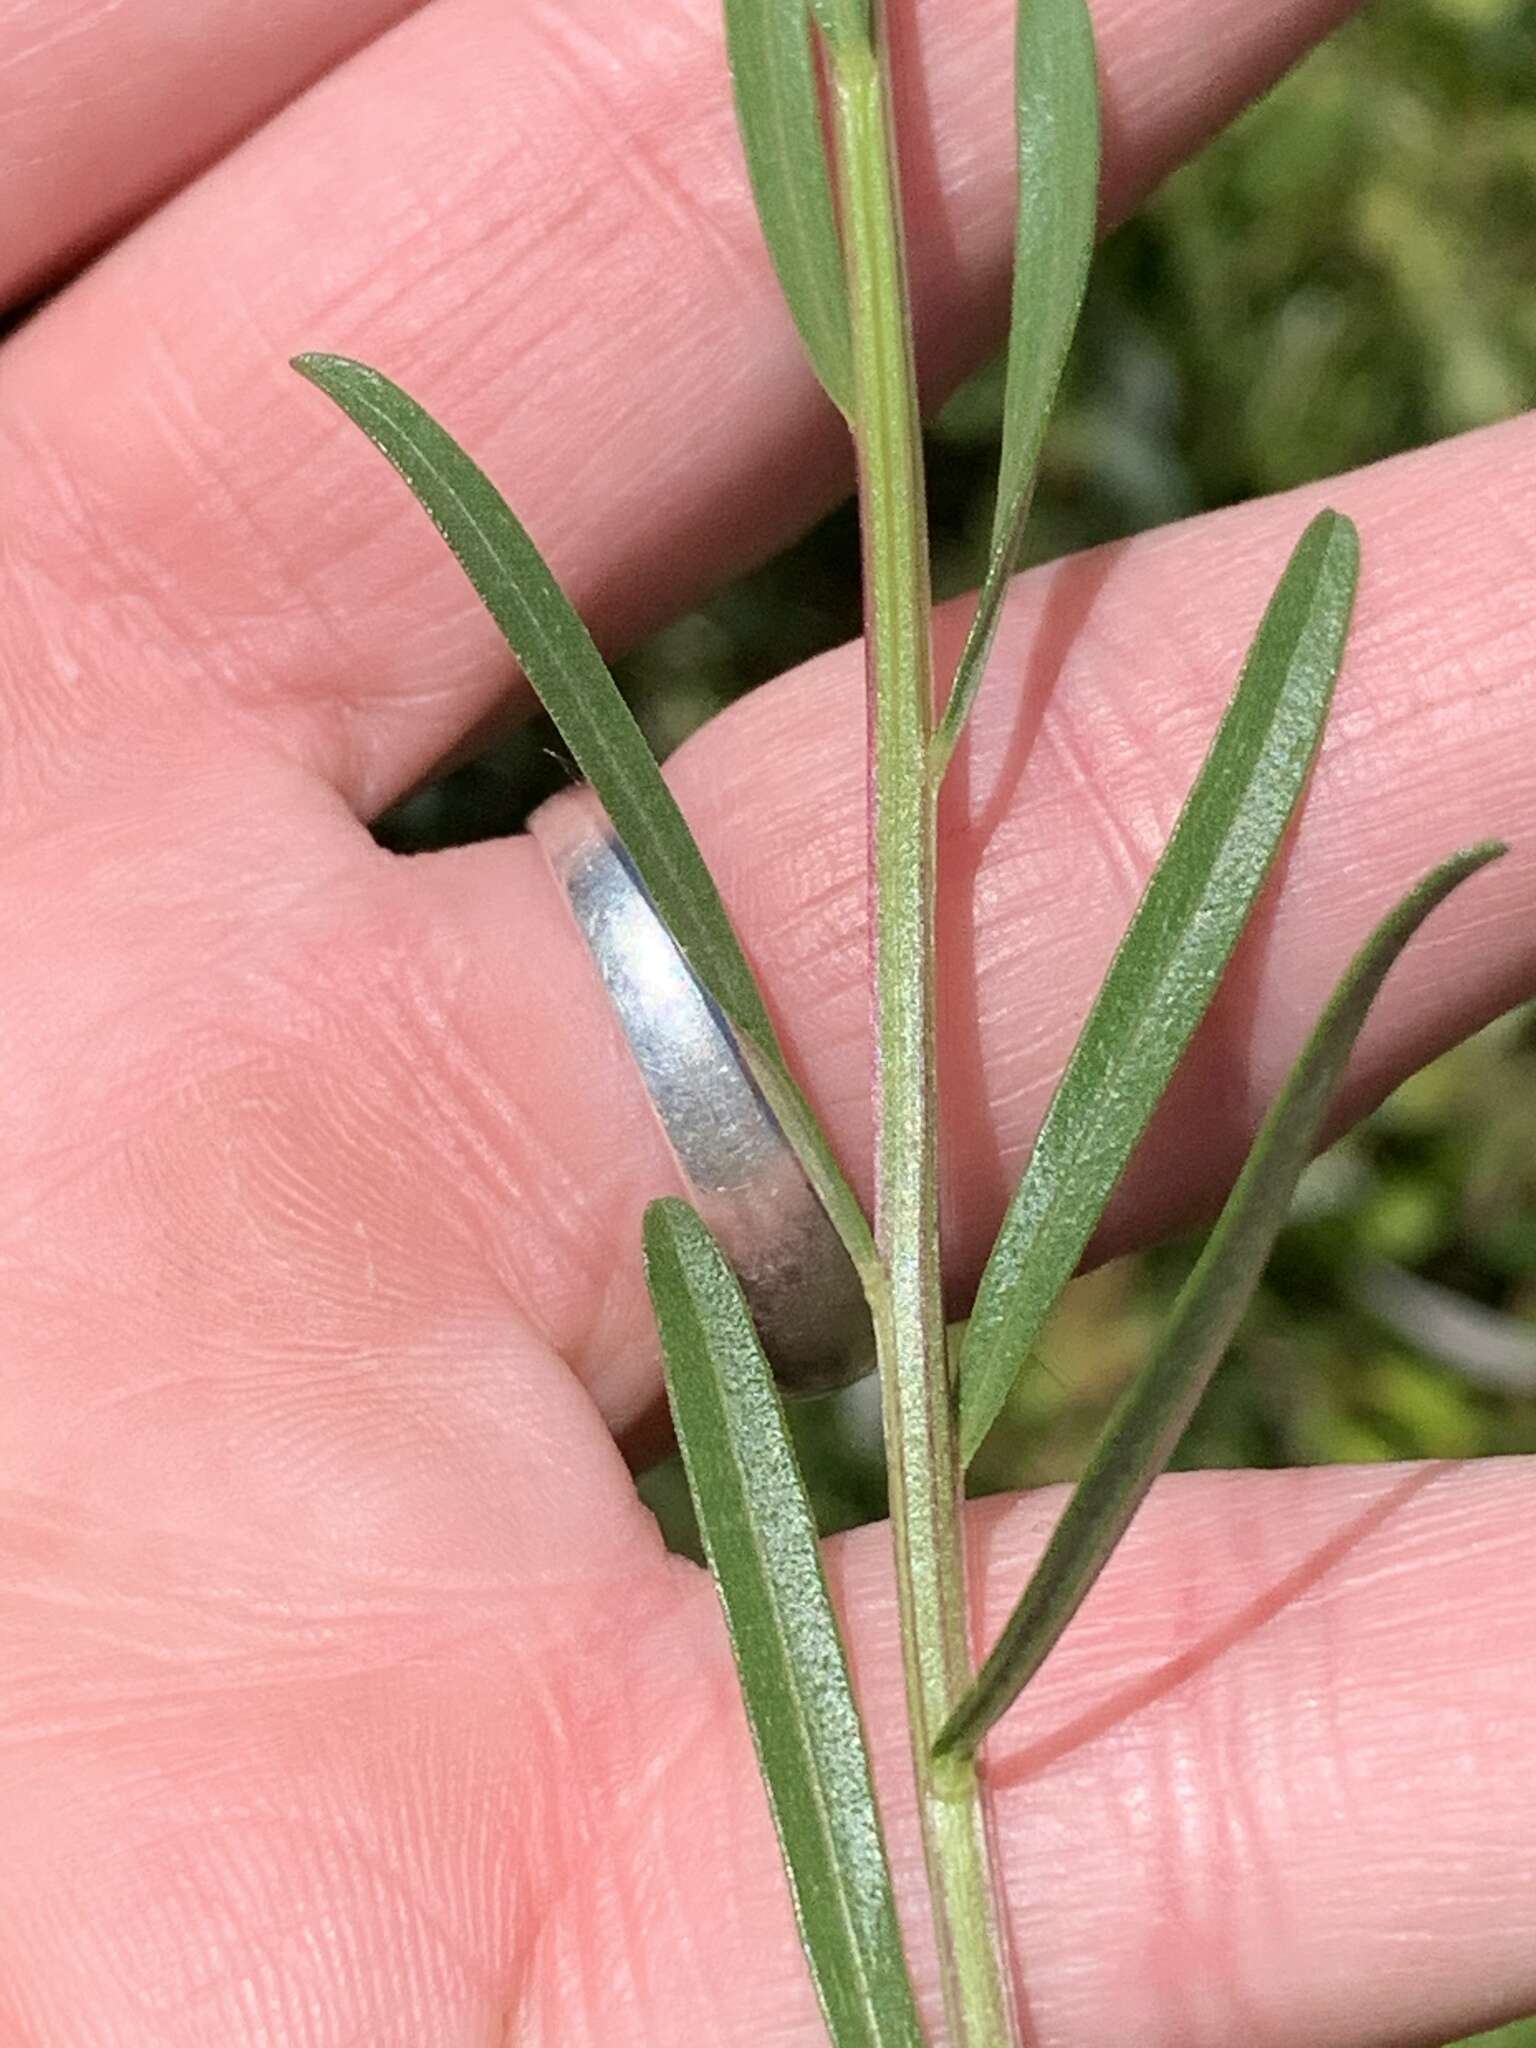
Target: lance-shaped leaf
761, 1542
778, 112
571, 680
1143, 1432
562, 664
1167, 968
1057, 92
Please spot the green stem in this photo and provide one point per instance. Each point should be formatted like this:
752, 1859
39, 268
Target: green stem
917, 1396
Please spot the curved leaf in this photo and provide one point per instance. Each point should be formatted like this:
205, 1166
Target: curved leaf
572, 681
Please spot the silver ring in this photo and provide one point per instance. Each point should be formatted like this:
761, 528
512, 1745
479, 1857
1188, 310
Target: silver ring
742, 1175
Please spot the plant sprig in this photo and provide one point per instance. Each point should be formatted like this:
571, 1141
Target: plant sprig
917, 1408
824, 173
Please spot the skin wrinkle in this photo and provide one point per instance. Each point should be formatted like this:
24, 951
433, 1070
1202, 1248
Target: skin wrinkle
156, 1786
49, 41
121, 72
566, 1237
487, 1125
1123, 856
1215, 1708
635, 153
1363, 673
1213, 1829
662, 1730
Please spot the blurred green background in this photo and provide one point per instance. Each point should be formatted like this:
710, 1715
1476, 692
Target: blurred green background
1348, 273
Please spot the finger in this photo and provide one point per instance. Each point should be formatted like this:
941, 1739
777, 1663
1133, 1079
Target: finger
1271, 1788
1108, 683
538, 219
108, 108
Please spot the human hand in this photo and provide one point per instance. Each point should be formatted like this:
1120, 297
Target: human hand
352, 1697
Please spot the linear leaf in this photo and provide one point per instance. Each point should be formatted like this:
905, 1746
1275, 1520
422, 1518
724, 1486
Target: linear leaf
562, 664
1169, 963
1057, 92
1143, 1432
797, 1120
778, 111
572, 681
760, 1538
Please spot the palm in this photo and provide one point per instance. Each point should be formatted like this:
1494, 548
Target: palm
353, 1698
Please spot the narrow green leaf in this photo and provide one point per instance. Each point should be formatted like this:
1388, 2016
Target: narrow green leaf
1143, 1432
797, 1120
760, 1538
1057, 91
572, 681
1168, 965
778, 111
561, 663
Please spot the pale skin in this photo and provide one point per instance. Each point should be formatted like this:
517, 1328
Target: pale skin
350, 1697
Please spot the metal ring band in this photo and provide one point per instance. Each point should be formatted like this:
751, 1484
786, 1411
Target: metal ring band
742, 1175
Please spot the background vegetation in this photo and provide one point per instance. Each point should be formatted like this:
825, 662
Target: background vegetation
1347, 274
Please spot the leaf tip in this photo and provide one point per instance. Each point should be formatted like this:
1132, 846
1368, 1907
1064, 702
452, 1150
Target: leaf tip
332, 373
312, 363
1484, 852
1448, 875
1334, 532
1468, 862
669, 1231
660, 1218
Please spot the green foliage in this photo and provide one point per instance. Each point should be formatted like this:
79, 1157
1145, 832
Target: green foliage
774, 72
907, 1309
1522, 2034
1169, 964
1144, 1429
1056, 88
1344, 275
762, 1545
1408, 316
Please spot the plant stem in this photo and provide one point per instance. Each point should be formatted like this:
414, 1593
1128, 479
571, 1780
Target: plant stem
917, 1396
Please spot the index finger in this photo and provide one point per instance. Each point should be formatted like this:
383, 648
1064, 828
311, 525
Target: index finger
538, 220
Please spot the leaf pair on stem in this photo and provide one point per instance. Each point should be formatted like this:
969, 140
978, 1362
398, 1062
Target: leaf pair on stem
832, 224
